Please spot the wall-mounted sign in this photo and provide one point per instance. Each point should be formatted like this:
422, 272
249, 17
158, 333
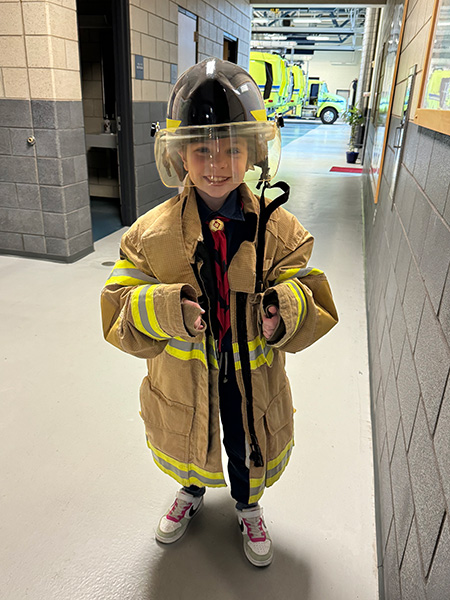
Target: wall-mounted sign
139, 67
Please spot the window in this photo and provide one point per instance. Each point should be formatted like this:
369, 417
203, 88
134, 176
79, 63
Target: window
434, 101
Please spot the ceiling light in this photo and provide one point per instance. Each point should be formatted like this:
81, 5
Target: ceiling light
317, 38
271, 44
274, 36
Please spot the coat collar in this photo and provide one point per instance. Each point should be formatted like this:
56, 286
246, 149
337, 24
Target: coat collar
181, 232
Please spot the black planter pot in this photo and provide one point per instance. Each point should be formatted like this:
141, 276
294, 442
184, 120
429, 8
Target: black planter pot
351, 157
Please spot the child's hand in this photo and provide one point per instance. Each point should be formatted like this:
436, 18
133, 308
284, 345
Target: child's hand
198, 323
270, 323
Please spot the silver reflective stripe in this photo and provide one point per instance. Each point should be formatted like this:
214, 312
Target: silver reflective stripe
212, 354
298, 293
256, 352
302, 301
134, 273
303, 272
280, 466
143, 313
185, 346
183, 474
256, 491
262, 348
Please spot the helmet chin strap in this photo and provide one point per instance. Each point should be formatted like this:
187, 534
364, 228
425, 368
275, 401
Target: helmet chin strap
264, 215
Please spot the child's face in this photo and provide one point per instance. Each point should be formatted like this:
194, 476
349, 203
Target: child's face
216, 167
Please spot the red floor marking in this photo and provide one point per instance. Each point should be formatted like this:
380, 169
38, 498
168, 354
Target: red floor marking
347, 169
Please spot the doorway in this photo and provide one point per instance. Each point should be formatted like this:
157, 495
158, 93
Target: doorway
106, 98
187, 40
230, 48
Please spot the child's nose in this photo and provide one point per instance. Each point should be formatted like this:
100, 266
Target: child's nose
221, 159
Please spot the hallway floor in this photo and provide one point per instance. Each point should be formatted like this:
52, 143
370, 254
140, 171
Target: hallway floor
80, 495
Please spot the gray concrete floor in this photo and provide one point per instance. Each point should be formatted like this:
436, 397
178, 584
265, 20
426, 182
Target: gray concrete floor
80, 496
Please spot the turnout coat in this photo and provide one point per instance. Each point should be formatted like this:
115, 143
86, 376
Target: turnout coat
162, 259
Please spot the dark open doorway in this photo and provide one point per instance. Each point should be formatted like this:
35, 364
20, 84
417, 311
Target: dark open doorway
106, 86
230, 48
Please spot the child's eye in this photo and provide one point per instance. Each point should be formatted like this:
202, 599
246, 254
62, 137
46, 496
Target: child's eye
203, 150
235, 150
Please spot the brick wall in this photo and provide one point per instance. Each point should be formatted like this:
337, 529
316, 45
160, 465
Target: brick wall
408, 302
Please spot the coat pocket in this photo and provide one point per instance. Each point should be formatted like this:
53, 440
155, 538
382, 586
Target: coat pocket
168, 424
279, 423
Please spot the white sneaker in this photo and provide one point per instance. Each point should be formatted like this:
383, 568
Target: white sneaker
257, 543
174, 523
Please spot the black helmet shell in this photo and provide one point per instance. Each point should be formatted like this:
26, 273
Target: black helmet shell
215, 92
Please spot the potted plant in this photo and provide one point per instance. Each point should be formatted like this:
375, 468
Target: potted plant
354, 117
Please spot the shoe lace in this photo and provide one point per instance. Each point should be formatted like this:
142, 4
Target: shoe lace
255, 529
178, 510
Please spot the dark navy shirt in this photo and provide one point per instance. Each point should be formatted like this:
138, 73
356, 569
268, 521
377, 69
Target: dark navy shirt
234, 232
234, 229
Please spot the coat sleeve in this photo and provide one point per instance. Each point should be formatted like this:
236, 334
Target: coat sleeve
303, 293
139, 313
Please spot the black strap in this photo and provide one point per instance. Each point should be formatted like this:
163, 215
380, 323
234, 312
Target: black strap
244, 355
264, 216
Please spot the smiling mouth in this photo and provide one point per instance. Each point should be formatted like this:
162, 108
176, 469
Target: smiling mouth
216, 180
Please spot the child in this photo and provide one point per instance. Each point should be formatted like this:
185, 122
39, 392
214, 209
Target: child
212, 289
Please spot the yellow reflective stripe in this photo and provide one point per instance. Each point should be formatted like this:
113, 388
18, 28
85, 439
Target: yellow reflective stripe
298, 293
256, 343
259, 353
273, 463
124, 280
186, 473
212, 353
298, 273
256, 489
255, 497
143, 312
189, 481
179, 348
275, 469
125, 273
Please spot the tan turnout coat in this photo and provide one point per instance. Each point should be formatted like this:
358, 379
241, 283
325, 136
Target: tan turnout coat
142, 316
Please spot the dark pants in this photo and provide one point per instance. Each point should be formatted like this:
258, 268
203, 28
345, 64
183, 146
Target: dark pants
233, 433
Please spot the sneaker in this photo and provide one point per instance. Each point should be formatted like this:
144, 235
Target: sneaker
174, 523
257, 543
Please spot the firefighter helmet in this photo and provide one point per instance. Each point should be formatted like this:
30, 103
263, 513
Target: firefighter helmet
215, 104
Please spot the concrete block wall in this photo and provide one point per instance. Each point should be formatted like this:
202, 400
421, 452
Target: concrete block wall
44, 196
408, 303
154, 35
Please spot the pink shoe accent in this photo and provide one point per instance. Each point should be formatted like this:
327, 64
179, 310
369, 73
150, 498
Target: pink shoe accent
177, 517
251, 534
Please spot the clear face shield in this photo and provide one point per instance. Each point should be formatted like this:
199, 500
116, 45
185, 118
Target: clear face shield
218, 156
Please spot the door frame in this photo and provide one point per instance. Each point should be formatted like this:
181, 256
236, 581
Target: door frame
391, 100
125, 139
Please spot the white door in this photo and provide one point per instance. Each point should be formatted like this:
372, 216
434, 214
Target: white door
187, 45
